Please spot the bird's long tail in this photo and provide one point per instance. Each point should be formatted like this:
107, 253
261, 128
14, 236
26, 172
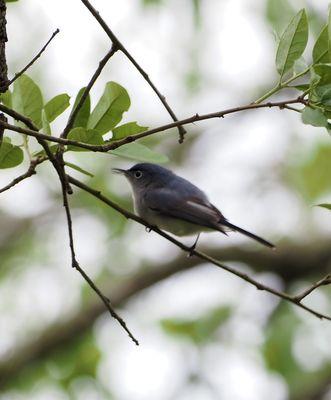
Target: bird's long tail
249, 234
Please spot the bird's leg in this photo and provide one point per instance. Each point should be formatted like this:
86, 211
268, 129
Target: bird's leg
192, 248
148, 229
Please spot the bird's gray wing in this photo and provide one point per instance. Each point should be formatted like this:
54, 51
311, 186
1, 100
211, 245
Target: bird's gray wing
189, 208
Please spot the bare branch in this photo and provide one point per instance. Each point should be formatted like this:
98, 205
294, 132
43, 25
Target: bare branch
284, 263
95, 76
3, 40
195, 118
18, 74
322, 282
203, 256
19, 117
31, 171
76, 265
144, 74
129, 139
2, 129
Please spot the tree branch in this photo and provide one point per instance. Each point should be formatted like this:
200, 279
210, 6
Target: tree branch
203, 256
76, 265
31, 171
195, 118
322, 282
144, 74
18, 74
3, 62
3, 40
60, 173
129, 139
291, 263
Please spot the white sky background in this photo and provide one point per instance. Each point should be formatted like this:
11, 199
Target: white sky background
229, 161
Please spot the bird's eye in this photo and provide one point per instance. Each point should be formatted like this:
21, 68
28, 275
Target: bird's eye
138, 174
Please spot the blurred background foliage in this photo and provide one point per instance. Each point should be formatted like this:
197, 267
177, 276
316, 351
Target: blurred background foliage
203, 334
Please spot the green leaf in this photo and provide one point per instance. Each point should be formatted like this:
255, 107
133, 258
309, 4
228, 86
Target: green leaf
324, 71
27, 99
84, 112
200, 330
321, 47
299, 65
45, 124
278, 347
131, 128
90, 136
292, 43
10, 155
325, 205
309, 172
110, 108
324, 93
302, 88
56, 106
139, 152
6, 98
314, 117
79, 169
152, 2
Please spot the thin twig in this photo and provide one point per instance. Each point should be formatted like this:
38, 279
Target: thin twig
18, 74
292, 108
202, 117
322, 282
31, 171
114, 145
123, 49
18, 117
63, 180
73, 115
76, 265
95, 76
197, 253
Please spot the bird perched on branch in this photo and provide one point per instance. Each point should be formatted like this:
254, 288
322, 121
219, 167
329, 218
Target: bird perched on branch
169, 202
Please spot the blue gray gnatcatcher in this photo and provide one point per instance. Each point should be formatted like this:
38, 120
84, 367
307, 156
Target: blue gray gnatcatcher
174, 204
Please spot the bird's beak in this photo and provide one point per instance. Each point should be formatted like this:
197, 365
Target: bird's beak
119, 171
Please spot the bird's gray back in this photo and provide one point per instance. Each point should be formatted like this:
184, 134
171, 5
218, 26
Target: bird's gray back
186, 189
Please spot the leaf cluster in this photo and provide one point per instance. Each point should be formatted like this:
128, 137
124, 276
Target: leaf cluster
90, 125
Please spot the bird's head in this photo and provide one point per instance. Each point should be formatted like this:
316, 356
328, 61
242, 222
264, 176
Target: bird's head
146, 174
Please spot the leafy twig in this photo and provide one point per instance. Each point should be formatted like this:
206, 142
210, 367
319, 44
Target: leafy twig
114, 145
282, 85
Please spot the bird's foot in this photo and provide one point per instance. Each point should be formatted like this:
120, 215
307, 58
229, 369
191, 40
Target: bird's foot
192, 248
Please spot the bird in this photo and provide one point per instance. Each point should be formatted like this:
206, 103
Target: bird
173, 204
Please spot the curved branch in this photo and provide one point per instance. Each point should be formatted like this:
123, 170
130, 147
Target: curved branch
18, 74
292, 263
129, 139
190, 251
